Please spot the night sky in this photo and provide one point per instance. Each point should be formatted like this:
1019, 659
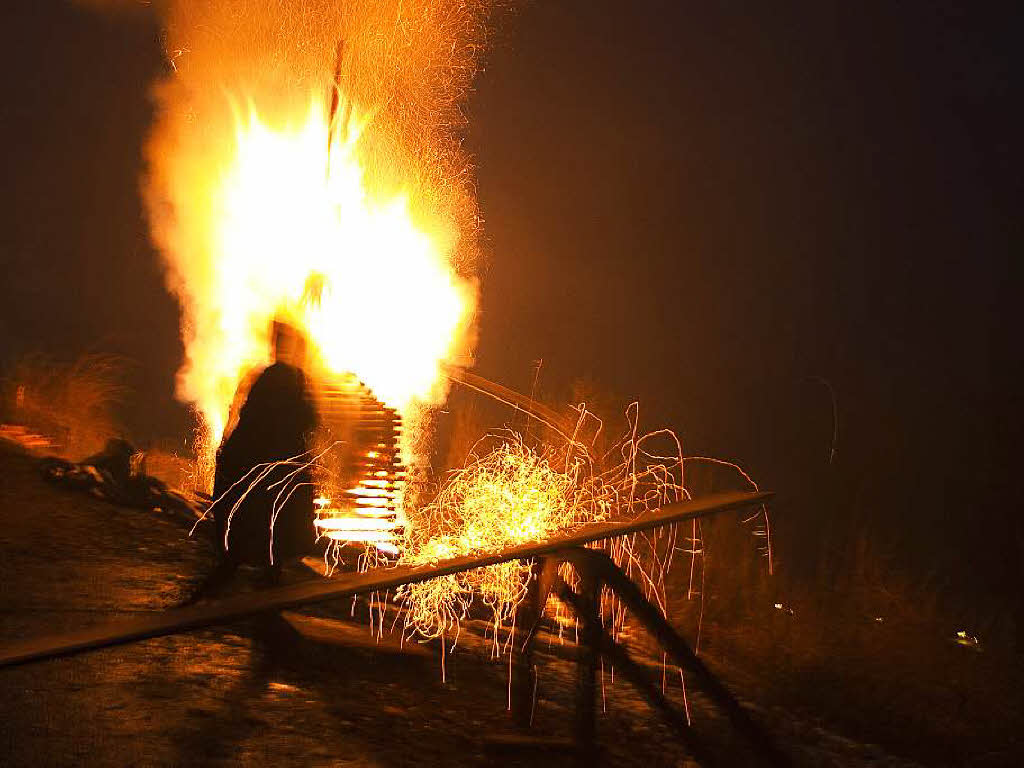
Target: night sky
705, 206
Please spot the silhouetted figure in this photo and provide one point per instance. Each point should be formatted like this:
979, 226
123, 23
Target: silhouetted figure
263, 492
274, 425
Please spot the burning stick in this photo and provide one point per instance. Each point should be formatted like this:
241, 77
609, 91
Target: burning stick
336, 98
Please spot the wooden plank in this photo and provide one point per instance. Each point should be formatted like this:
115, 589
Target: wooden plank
378, 580
512, 398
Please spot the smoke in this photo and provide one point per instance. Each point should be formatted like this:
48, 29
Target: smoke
404, 65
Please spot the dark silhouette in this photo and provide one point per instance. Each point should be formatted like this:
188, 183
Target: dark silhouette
274, 425
263, 490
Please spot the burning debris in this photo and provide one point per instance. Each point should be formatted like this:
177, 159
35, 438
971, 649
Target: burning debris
507, 494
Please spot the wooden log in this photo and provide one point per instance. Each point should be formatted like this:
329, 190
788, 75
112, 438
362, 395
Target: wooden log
378, 580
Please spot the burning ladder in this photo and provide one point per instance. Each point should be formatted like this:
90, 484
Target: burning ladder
362, 476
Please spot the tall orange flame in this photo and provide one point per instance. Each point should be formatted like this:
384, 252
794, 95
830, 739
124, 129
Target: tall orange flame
388, 306
367, 246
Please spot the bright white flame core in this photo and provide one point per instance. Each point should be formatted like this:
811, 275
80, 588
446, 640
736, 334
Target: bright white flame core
391, 308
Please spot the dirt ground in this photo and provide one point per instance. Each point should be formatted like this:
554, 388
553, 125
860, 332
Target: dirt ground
225, 696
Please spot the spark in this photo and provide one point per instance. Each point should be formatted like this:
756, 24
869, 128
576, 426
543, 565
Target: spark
508, 493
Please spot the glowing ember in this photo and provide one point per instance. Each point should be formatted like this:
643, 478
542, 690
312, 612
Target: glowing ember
509, 496
512, 494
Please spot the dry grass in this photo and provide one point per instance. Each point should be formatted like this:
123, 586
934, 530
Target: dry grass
73, 404
865, 644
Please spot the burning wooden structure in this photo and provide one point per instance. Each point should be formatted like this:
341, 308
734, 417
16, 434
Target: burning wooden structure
360, 473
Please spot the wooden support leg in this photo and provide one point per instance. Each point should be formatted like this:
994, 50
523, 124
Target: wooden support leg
524, 675
622, 661
682, 655
588, 660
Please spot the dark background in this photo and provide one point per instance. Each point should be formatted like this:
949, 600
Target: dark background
719, 210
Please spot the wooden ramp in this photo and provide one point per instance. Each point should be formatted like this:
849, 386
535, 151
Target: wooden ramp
379, 580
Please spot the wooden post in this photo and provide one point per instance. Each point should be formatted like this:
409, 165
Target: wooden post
622, 661
524, 676
767, 751
588, 659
